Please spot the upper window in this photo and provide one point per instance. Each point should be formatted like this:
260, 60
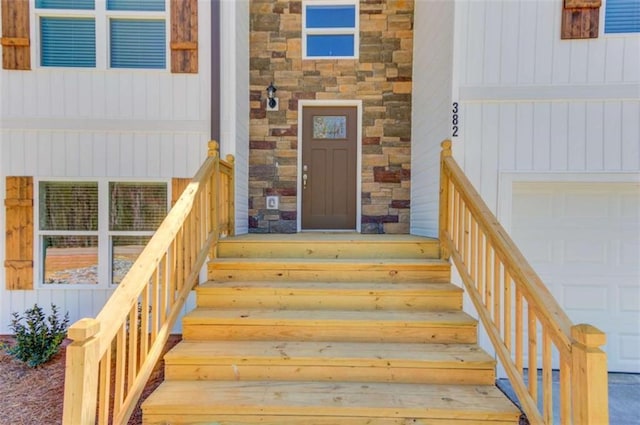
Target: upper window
330, 29
114, 34
622, 16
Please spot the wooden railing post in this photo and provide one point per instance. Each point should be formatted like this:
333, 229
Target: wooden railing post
81, 376
213, 148
443, 218
214, 193
590, 395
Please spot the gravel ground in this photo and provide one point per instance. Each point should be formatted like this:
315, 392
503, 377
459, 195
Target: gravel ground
34, 395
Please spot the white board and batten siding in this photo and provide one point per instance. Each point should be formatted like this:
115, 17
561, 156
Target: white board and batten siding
550, 123
234, 121
102, 124
431, 120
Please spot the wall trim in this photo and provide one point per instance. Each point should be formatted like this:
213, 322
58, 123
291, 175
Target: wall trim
550, 93
107, 125
358, 104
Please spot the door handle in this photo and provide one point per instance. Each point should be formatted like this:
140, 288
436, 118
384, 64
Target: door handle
305, 177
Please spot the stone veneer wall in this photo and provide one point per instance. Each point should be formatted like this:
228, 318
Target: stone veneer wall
381, 78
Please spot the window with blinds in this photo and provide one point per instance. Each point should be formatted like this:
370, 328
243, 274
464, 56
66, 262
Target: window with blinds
74, 242
135, 212
622, 16
136, 33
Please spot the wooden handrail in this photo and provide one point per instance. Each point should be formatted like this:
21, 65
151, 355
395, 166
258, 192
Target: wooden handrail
112, 356
497, 277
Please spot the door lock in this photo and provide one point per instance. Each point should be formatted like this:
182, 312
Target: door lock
304, 176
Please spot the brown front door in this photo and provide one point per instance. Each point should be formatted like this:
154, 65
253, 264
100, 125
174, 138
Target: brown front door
329, 162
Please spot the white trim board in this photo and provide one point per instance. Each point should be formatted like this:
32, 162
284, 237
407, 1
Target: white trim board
358, 105
551, 93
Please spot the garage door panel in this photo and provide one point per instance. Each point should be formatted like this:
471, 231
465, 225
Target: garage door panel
583, 239
585, 205
629, 299
581, 298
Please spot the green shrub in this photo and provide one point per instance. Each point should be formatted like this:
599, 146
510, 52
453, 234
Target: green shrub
38, 338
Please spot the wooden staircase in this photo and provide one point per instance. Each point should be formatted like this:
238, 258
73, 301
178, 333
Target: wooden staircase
322, 329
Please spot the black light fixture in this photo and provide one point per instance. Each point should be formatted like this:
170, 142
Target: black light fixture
271, 95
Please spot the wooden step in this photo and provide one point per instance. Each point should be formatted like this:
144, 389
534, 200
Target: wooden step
324, 403
330, 361
329, 246
352, 270
330, 325
330, 295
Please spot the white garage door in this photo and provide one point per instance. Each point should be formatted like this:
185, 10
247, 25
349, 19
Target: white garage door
584, 241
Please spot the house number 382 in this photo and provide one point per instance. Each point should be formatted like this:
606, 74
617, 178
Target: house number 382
454, 120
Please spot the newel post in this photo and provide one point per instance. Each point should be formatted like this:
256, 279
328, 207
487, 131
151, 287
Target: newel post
443, 217
81, 373
214, 195
213, 148
589, 386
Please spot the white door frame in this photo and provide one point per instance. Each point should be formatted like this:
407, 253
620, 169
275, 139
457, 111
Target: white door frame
338, 103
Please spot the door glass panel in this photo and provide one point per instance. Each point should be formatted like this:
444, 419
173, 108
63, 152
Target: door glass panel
329, 127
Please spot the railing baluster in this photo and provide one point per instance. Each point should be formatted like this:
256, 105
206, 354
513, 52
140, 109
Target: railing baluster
121, 360
547, 378
456, 220
474, 250
167, 277
451, 210
507, 309
180, 259
497, 293
132, 348
155, 298
481, 264
565, 391
487, 274
532, 332
467, 237
105, 388
144, 325
519, 332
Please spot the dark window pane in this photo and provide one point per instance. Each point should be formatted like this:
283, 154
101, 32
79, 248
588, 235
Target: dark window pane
136, 5
68, 206
70, 259
330, 45
136, 206
138, 44
68, 42
124, 252
622, 16
65, 4
334, 16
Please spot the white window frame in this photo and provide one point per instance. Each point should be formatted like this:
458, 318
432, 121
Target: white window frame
355, 31
105, 255
102, 17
